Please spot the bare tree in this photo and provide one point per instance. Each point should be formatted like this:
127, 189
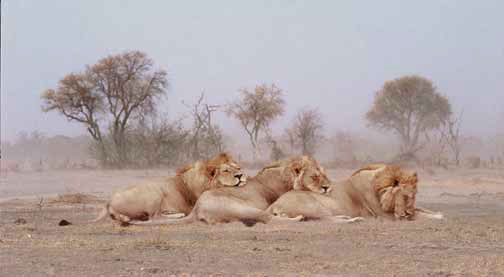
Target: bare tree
436, 147
451, 133
500, 140
307, 130
256, 110
409, 106
276, 151
499, 148
445, 137
116, 90
291, 139
157, 141
206, 137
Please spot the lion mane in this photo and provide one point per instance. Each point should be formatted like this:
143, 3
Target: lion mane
394, 187
206, 170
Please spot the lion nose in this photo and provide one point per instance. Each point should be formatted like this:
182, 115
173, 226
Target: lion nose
325, 188
238, 176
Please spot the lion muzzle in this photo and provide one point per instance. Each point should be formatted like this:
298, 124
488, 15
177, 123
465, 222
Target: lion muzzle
326, 189
241, 179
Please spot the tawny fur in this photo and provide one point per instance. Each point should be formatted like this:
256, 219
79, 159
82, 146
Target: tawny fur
379, 190
248, 203
176, 195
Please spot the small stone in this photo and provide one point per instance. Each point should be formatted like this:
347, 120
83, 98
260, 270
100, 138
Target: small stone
20, 221
64, 223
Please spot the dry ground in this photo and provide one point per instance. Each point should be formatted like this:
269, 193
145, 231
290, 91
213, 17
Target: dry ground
470, 242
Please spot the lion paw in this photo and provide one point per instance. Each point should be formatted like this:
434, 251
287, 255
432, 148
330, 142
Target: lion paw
355, 219
174, 215
284, 217
297, 218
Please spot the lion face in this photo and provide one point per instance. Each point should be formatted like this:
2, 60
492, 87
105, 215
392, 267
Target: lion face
405, 198
396, 189
405, 201
311, 177
229, 174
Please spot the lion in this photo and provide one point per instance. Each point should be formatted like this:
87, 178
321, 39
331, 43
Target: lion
248, 204
177, 195
379, 191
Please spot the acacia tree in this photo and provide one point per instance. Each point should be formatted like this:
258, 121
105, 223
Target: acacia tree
77, 100
307, 130
114, 91
408, 106
256, 110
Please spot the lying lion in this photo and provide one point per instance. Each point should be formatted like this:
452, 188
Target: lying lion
385, 191
248, 204
177, 195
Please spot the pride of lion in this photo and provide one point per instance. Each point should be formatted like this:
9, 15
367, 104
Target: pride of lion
293, 189
248, 203
385, 191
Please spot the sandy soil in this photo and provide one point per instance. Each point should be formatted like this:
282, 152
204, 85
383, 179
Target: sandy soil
470, 242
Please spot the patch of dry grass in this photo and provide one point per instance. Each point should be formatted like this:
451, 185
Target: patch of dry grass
76, 198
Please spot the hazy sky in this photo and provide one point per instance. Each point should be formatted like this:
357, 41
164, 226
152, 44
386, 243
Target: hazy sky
328, 54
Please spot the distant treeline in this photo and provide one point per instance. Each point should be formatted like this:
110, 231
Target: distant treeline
37, 146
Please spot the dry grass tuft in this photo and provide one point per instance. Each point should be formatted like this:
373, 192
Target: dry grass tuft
76, 198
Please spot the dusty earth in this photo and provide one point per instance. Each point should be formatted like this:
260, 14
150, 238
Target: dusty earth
470, 242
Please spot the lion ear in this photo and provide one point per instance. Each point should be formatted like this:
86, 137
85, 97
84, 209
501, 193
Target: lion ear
223, 158
211, 170
183, 170
296, 167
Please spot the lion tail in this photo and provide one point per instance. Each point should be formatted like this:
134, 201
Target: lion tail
369, 167
190, 218
103, 213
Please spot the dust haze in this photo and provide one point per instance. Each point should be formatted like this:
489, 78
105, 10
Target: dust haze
331, 57
99, 95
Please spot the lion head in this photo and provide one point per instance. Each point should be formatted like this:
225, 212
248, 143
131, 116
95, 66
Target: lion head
396, 189
221, 171
308, 175
298, 173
